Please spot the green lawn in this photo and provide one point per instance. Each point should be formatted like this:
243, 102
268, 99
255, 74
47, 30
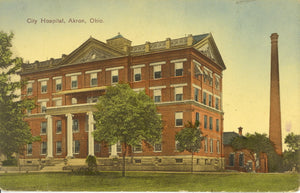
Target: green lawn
148, 181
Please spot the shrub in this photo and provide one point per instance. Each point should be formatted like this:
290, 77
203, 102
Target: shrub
11, 161
92, 163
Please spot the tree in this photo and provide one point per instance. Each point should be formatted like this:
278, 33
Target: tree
255, 144
291, 157
14, 131
127, 117
189, 139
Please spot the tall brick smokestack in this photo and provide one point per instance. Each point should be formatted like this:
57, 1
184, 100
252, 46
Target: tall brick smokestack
275, 114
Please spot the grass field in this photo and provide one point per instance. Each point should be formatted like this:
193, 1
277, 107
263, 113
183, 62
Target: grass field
149, 181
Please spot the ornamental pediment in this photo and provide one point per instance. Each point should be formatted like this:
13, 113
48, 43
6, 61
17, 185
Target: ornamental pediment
91, 50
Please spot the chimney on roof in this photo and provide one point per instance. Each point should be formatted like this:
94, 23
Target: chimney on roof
168, 43
190, 40
240, 131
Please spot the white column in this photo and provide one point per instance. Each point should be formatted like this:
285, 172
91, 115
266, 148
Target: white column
91, 129
69, 135
114, 151
49, 137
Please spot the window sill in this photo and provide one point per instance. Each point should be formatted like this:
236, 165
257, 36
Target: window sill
157, 151
43, 133
58, 133
58, 153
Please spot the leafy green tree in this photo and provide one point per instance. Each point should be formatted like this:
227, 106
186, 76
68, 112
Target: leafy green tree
128, 117
255, 144
189, 139
14, 132
291, 157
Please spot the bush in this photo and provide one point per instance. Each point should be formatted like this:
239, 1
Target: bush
92, 162
11, 161
85, 171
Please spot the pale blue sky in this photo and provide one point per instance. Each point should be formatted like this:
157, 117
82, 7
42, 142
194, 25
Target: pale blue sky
241, 29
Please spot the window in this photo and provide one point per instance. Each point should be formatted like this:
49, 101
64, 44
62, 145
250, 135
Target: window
196, 94
44, 148
211, 145
137, 148
157, 71
119, 147
137, 74
76, 146
58, 126
74, 82
58, 102
180, 160
217, 125
217, 83
217, 103
94, 80
75, 125
43, 127
209, 100
58, 84
218, 146
178, 119
44, 86
241, 159
43, 107
205, 144
28, 111
197, 117
205, 121
74, 101
29, 89
210, 123
231, 159
97, 147
29, 149
58, 147
178, 93
178, 69
157, 95
157, 147
92, 99
204, 98
114, 76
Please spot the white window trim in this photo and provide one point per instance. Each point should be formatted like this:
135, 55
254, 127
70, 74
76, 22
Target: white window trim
208, 70
196, 86
138, 66
57, 77
138, 89
74, 74
207, 92
93, 71
31, 81
178, 60
181, 119
197, 63
178, 85
157, 87
157, 63
43, 79
43, 100
114, 68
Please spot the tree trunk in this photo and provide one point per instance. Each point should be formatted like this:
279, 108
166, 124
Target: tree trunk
192, 164
124, 154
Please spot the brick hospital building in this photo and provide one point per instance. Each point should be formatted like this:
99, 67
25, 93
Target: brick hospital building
183, 76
